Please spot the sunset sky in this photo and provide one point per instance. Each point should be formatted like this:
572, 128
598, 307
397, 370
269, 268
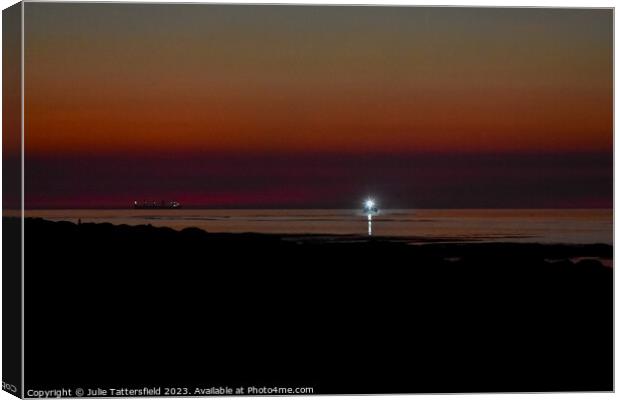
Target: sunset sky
304, 106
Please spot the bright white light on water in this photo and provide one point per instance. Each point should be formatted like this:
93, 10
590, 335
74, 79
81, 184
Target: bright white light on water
370, 209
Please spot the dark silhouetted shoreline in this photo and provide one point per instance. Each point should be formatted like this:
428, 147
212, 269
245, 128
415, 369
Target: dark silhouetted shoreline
120, 305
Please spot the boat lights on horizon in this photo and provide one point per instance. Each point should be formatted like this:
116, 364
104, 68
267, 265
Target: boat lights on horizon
153, 204
370, 209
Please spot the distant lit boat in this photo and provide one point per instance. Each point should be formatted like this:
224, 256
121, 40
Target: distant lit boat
370, 207
156, 205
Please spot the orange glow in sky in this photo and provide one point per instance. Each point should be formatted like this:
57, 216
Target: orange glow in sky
149, 78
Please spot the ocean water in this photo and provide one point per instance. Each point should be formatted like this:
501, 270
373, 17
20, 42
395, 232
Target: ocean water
542, 226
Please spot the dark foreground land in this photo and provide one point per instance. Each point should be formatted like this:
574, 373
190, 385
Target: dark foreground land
114, 305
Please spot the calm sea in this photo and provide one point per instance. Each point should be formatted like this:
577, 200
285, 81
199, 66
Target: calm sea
545, 226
